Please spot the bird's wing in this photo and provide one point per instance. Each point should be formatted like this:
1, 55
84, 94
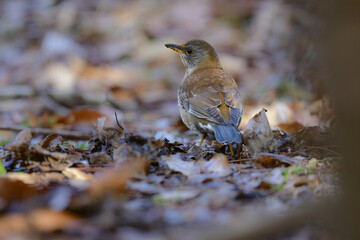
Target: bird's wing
205, 104
233, 101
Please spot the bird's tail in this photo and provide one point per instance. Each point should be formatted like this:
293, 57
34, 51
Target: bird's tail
227, 134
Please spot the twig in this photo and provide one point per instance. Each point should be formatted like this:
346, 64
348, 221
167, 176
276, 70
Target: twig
240, 160
46, 131
308, 148
121, 125
325, 149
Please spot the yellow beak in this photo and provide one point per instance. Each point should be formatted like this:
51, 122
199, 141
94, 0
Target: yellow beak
176, 48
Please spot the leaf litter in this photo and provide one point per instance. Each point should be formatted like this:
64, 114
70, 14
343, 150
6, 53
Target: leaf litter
163, 182
63, 67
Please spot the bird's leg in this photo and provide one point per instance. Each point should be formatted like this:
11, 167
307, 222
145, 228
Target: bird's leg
231, 149
202, 139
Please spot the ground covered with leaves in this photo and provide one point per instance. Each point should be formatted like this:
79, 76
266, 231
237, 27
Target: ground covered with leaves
91, 142
123, 185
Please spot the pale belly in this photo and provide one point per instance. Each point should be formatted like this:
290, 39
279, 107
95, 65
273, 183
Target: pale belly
197, 125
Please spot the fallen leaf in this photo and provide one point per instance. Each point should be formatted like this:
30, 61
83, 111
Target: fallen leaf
48, 220
144, 187
47, 140
313, 163
291, 127
13, 223
84, 116
272, 160
58, 160
75, 173
54, 155
100, 158
12, 189
268, 161
36, 179
257, 134
114, 179
218, 165
41, 220
21, 142
197, 152
175, 196
187, 168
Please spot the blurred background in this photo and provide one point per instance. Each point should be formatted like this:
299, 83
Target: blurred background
64, 63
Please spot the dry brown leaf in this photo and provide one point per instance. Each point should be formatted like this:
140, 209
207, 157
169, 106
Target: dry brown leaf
187, 168
45, 120
13, 223
268, 161
123, 153
176, 195
257, 134
21, 142
99, 129
48, 220
59, 161
219, 165
55, 155
42, 220
100, 158
11, 189
47, 140
291, 127
272, 160
114, 179
104, 134
81, 116
75, 173
36, 179
197, 152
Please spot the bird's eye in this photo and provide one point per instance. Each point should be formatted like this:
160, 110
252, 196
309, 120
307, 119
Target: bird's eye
189, 51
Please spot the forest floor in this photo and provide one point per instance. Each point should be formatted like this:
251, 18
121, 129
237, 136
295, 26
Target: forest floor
91, 141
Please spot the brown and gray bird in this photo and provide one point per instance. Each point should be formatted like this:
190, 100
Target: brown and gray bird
208, 97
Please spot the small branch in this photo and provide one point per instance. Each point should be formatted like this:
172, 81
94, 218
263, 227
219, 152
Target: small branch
309, 148
47, 131
121, 125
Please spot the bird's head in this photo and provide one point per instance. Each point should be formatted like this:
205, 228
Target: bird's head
196, 54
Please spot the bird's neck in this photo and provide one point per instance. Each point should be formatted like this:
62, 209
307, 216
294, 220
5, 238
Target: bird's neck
196, 71
205, 64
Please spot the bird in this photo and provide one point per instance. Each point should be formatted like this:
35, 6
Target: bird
209, 100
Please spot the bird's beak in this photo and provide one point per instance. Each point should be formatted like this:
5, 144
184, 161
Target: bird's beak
176, 48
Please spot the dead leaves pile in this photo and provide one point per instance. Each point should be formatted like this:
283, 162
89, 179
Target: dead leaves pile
117, 179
